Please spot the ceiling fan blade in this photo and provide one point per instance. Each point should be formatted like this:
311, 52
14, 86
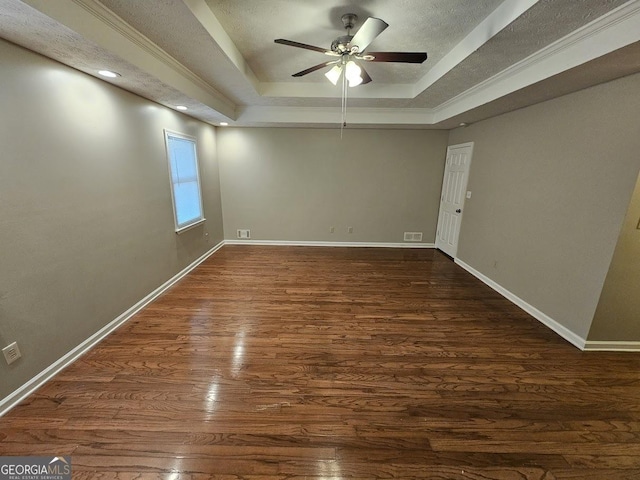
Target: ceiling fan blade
291, 43
369, 30
403, 57
314, 68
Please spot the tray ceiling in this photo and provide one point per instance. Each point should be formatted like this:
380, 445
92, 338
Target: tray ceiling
218, 57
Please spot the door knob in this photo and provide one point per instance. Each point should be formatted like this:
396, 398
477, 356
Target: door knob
458, 211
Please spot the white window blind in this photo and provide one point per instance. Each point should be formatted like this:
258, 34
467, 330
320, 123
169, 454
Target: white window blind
185, 180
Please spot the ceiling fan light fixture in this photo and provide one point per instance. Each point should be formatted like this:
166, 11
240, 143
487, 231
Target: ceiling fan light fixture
334, 74
353, 72
354, 82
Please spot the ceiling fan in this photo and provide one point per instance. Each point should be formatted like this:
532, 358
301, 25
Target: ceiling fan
349, 49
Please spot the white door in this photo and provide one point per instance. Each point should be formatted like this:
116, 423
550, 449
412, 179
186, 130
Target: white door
454, 187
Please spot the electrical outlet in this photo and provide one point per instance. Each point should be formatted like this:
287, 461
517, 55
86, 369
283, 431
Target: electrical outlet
332, 229
11, 353
350, 230
246, 234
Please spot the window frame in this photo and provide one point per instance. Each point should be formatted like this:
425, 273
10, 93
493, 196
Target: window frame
201, 218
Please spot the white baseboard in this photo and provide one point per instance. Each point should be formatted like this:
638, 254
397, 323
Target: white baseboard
36, 382
611, 346
312, 243
561, 330
48, 373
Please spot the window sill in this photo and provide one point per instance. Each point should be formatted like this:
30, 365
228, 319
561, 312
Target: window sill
190, 226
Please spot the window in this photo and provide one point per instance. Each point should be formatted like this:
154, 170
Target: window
185, 181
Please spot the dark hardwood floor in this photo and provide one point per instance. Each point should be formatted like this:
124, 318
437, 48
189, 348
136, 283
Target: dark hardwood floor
335, 363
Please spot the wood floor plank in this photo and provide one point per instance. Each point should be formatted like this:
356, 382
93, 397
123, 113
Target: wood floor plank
330, 363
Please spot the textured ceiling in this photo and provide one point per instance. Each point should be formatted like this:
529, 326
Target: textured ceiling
535, 29
254, 25
622, 62
218, 57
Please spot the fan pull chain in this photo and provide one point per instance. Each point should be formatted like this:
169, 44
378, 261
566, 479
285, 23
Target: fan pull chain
344, 94
343, 124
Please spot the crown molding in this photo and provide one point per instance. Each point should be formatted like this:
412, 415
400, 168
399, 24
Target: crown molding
616, 29
97, 23
116, 23
331, 116
211, 24
100, 25
328, 90
500, 18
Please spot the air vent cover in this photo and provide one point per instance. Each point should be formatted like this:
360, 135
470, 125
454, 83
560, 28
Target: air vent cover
412, 236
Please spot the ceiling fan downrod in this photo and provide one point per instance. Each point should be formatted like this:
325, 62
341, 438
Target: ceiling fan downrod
340, 45
349, 20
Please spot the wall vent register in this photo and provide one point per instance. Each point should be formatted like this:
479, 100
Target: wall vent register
412, 236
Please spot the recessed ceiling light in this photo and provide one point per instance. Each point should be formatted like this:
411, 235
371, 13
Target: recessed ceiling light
109, 74
181, 107
223, 124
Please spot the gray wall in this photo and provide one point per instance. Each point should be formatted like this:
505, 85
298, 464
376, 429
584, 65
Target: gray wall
294, 184
551, 184
618, 313
86, 223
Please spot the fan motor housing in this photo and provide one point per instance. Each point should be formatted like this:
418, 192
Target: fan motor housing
341, 44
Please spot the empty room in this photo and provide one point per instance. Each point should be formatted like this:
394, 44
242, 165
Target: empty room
271, 239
